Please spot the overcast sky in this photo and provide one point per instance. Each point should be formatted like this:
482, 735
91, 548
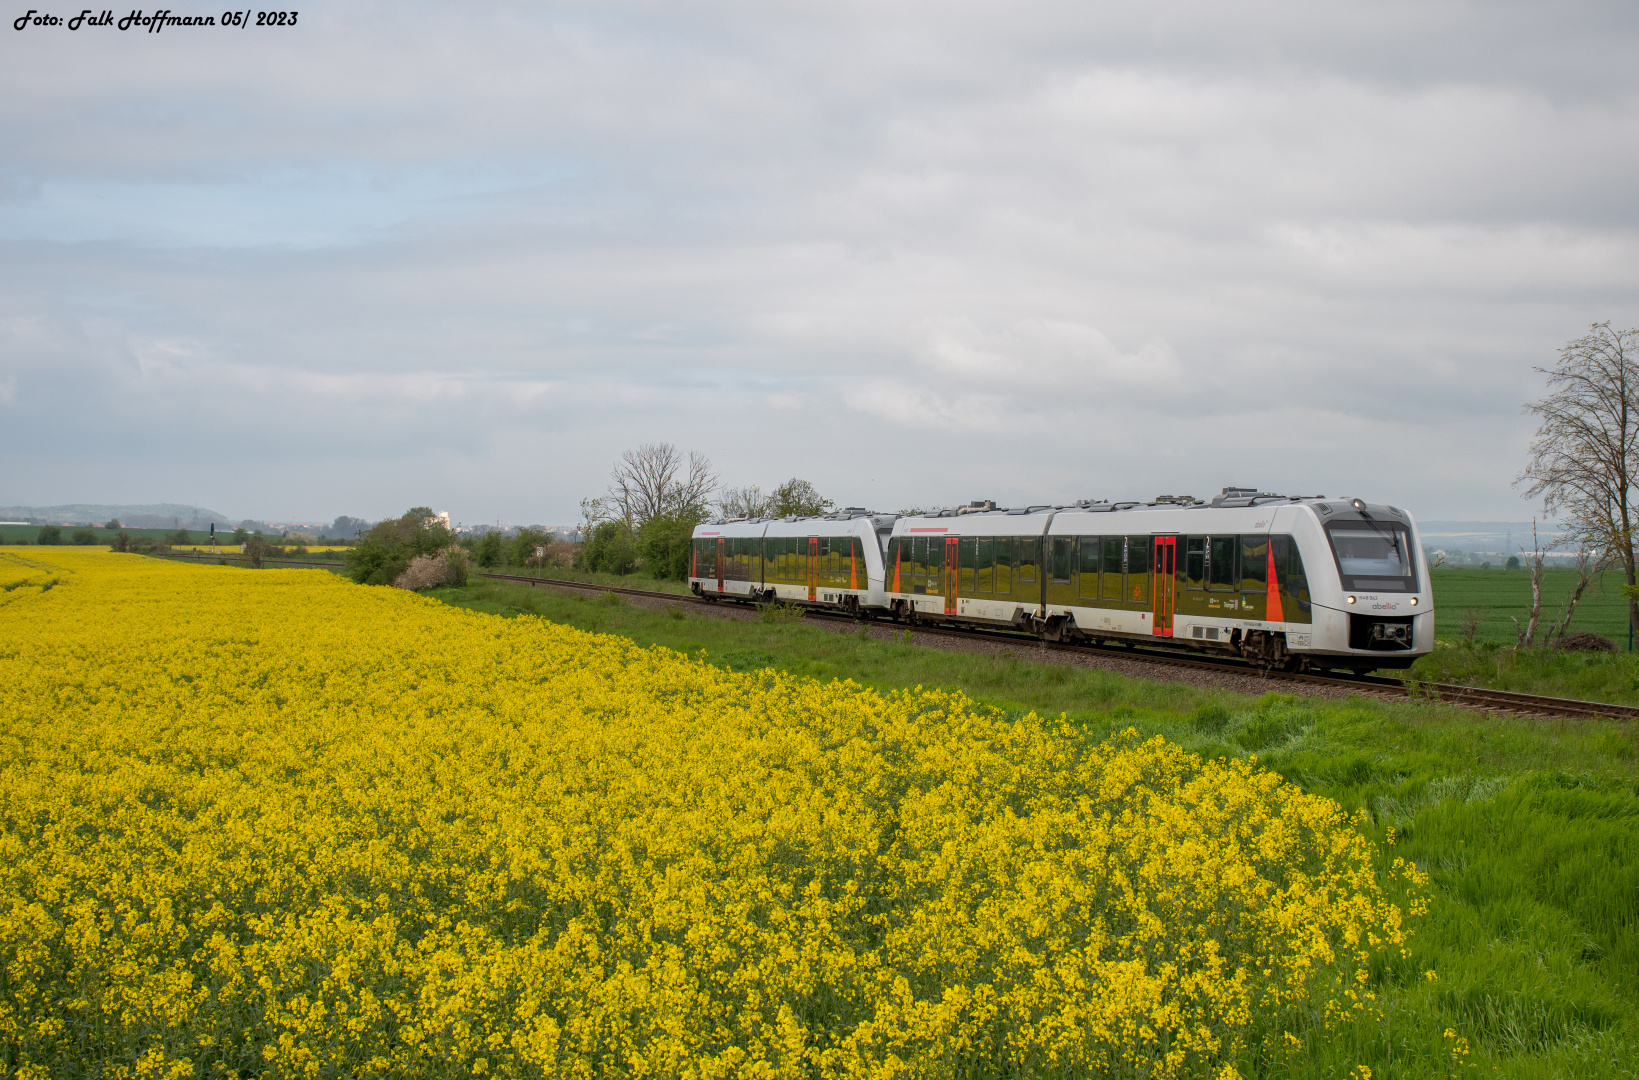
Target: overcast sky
464, 255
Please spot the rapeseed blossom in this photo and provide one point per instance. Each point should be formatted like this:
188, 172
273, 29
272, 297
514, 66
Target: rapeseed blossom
272, 823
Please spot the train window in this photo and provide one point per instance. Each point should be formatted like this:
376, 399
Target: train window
1114, 556
1194, 562
1373, 555
1089, 567
1221, 562
1004, 566
1138, 568
1061, 557
985, 567
1028, 550
1254, 564
919, 555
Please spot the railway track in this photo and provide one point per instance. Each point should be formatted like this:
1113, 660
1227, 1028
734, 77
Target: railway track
1469, 696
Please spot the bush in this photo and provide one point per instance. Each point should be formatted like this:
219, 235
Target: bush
256, 549
447, 567
610, 549
665, 544
181, 536
49, 535
122, 542
1585, 642
84, 537
112, 524
386, 551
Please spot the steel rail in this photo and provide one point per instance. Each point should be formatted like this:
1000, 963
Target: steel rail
1445, 693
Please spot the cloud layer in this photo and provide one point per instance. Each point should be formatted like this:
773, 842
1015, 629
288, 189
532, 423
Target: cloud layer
409, 253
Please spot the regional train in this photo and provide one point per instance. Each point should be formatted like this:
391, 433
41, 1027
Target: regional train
1287, 582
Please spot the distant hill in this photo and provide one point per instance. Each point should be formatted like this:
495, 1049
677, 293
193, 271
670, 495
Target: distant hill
136, 515
1502, 537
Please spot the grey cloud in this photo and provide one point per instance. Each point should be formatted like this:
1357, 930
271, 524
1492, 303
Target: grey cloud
1045, 249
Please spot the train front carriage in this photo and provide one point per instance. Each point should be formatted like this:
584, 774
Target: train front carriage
1284, 582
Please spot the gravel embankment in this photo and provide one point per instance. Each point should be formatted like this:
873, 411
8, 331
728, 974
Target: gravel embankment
1230, 681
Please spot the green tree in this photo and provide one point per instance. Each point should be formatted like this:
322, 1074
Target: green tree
1512, 563
113, 523
665, 543
798, 498
240, 535
84, 537
122, 542
610, 548
522, 547
488, 549
50, 534
386, 550
181, 536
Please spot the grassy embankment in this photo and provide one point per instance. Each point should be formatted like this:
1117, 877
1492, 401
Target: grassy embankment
1484, 600
1529, 828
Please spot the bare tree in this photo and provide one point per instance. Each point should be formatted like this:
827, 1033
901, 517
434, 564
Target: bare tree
694, 491
1536, 558
1585, 456
1587, 566
743, 502
645, 483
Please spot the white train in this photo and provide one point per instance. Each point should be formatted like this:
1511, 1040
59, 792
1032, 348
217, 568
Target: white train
1287, 582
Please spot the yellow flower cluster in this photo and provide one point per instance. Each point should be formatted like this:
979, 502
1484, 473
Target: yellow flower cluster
272, 823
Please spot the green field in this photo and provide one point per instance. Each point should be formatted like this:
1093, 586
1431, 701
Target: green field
27, 534
1498, 594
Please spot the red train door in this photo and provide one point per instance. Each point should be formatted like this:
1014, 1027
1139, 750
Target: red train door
951, 573
1165, 583
813, 567
722, 560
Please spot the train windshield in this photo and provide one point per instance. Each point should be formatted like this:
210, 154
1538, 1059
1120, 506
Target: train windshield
1373, 555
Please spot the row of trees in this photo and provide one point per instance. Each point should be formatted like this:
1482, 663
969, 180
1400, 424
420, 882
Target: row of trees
657, 495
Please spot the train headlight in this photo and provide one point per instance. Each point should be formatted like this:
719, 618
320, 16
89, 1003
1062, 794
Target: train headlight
1350, 600
1414, 601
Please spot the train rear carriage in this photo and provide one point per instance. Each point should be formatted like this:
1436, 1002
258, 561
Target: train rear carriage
830, 561
976, 565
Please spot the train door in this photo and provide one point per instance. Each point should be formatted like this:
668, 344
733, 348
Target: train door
722, 561
952, 572
813, 567
1166, 549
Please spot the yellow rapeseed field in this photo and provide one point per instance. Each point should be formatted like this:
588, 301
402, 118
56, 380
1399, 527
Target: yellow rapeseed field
273, 823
